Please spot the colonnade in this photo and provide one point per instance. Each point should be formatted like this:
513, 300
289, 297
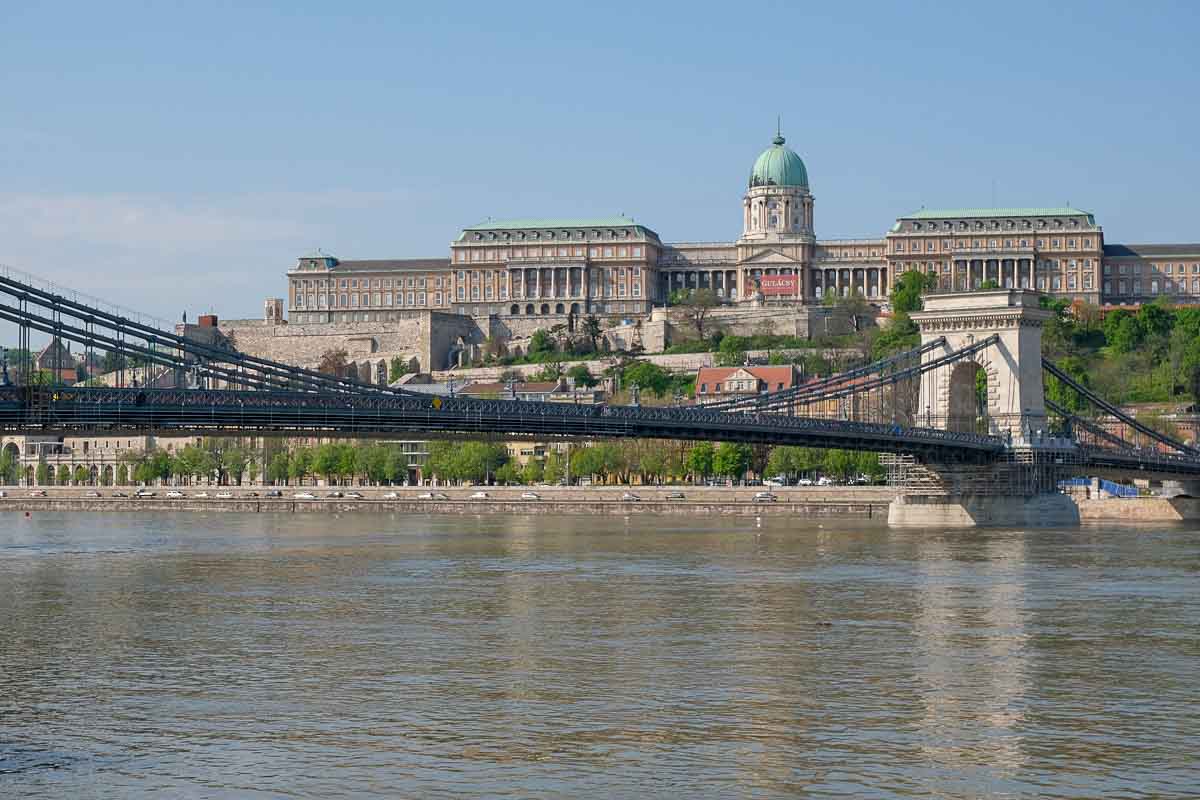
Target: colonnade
1008, 273
870, 282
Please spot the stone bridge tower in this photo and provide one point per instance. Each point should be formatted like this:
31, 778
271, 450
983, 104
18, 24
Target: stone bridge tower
1019, 487
1016, 404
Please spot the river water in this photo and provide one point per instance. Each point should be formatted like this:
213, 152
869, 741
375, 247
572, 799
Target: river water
256, 656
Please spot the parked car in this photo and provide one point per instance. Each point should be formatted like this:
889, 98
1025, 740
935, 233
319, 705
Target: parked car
273, 493
92, 493
354, 495
676, 496
391, 496
630, 497
431, 496
200, 494
773, 483
40, 493
479, 495
175, 494
304, 496
764, 497
530, 496
224, 495
251, 494
825, 480
114, 494
3, 493
804, 482
143, 493
335, 494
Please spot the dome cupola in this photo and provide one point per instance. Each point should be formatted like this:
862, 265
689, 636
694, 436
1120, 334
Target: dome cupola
779, 165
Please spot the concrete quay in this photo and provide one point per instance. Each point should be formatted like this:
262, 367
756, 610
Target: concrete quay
845, 502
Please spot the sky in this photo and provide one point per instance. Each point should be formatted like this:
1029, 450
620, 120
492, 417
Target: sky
180, 157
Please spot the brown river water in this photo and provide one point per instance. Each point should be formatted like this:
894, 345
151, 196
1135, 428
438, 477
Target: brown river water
259, 656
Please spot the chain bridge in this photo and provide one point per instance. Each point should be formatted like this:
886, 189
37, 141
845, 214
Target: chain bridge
955, 457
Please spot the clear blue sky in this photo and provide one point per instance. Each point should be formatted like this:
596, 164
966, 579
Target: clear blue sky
182, 159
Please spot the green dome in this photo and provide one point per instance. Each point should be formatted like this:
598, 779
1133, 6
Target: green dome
779, 166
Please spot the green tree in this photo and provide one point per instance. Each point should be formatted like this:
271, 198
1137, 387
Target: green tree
1126, 335
700, 460
82, 475
64, 475
42, 474
234, 460
908, 290
8, 467
122, 475
397, 369
554, 470
592, 330
696, 305
541, 343
277, 468
731, 459
508, 474
648, 377
582, 376
792, 461
533, 471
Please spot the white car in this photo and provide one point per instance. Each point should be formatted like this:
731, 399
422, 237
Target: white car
431, 496
143, 493
175, 494
201, 494
92, 493
304, 496
630, 497
391, 496
224, 495
824, 481
479, 495
354, 495
530, 496
764, 497
804, 482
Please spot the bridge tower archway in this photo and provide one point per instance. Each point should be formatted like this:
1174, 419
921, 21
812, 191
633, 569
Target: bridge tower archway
1014, 403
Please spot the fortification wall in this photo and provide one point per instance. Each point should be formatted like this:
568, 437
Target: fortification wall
364, 342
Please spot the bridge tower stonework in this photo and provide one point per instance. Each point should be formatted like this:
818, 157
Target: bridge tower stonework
1020, 488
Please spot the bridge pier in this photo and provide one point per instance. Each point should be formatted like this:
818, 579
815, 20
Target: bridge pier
1020, 490
1049, 510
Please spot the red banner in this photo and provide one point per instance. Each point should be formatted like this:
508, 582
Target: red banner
778, 284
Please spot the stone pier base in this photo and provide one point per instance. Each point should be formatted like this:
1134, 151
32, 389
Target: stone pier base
963, 511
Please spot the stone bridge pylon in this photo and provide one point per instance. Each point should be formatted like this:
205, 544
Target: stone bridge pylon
1016, 405
1020, 488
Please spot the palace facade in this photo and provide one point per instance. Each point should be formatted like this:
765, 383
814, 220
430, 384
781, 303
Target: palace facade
619, 267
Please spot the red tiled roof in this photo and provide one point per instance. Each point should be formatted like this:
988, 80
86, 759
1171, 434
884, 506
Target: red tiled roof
773, 376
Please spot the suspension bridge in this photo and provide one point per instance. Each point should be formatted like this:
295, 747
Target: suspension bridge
954, 458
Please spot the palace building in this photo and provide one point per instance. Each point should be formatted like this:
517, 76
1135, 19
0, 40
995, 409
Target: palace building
544, 268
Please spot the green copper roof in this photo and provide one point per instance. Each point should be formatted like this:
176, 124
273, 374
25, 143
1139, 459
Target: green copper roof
1065, 211
779, 166
532, 223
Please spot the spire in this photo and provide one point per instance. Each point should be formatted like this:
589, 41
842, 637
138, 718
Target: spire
778, 140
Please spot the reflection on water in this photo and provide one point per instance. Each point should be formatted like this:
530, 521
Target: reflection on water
257, 656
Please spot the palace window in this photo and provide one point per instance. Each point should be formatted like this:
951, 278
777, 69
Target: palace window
1137, 286
411, 297
1108, 287
1122, 287
1154, 286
